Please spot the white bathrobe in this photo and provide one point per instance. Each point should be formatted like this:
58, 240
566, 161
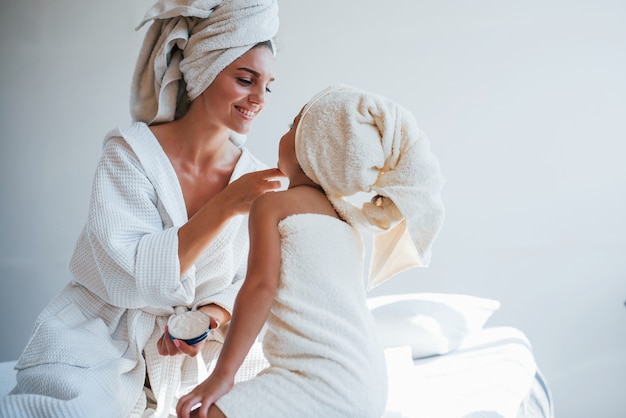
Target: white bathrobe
91, 345
321, 342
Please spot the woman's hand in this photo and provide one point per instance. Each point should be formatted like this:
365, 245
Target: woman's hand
234, 199
217, 314
168, 347
206, 393
240, 194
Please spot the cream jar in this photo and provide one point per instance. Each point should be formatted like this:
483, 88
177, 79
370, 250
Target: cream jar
190, 326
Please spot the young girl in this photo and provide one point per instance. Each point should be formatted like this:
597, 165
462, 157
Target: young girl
305, 267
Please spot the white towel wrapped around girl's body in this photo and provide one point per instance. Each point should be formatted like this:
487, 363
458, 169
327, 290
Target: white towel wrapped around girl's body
321, 344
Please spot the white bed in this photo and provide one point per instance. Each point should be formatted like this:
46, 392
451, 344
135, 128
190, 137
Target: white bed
443, 362
491, 375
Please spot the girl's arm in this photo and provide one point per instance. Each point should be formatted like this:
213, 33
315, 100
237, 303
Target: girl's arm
251, 308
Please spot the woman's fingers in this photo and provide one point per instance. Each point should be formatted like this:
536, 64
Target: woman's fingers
240, 194
168, 347
165, 346
190, 350
269, 173
263, 181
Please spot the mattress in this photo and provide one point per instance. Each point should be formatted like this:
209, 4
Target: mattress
492, 374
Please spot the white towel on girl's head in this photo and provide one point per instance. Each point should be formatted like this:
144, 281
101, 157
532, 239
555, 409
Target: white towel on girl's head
351, 141
189, 43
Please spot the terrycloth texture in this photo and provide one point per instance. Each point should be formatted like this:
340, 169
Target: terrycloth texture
325, 359
190, 42
350, 141
85, 356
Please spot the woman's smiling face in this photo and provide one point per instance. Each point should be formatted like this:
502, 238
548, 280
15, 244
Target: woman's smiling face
239, 92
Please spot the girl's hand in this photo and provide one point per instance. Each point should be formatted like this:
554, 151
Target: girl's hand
206, 394
168, 347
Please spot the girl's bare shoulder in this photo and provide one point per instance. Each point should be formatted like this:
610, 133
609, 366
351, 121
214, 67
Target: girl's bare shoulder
299, 200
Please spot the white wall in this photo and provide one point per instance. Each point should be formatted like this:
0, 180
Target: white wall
524, 103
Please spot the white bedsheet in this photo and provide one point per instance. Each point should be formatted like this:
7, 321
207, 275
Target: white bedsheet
489, 375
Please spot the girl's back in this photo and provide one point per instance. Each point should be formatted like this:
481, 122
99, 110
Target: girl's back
325, 359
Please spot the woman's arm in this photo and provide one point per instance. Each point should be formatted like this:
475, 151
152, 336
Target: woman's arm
125, 255
252, 305
235, 199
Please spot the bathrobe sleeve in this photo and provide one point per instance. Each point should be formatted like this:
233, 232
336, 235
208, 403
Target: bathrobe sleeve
127, 253
225, 298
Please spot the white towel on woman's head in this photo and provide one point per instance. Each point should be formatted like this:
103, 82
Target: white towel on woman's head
351, 141
188, 44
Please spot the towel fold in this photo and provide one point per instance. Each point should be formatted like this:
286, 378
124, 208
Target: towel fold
351, 141
188, 44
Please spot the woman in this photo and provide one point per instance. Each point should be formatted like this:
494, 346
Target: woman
167, 222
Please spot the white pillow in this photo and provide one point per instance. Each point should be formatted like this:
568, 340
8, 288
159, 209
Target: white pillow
430, 323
